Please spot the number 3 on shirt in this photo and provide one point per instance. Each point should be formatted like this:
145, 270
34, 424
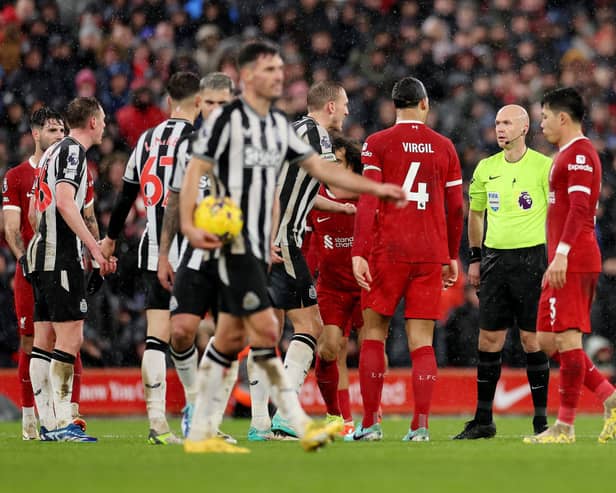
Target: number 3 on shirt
421, 196
151, 185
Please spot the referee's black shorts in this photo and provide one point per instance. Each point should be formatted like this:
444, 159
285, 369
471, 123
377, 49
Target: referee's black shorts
510, 287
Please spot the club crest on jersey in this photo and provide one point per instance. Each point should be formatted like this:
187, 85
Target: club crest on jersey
494, 201
525, 201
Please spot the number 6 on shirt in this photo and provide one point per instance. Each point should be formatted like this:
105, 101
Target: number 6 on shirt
421, 196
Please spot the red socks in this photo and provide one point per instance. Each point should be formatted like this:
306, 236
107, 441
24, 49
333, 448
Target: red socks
75, 397
572, 372
424, 378
371, 372
327, 379
23, 368
593, 378
344, 401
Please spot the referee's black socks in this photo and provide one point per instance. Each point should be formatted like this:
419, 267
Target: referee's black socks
538, 372
488, 373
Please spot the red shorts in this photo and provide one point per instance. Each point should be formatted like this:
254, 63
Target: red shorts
568, 307
420, 284
340, 308
24, 303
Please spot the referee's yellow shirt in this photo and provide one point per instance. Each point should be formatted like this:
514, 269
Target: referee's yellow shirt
515, 196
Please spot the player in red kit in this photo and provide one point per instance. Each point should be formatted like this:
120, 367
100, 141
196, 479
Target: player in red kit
574, 264
406, 253
337, 291
47, 128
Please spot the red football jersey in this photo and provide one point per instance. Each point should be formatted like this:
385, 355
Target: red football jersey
425, 164
575, 184
332, 233
16, 191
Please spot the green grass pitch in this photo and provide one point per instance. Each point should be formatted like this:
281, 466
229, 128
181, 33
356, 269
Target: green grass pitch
123, 462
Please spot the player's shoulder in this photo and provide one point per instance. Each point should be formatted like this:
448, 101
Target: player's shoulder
16, 172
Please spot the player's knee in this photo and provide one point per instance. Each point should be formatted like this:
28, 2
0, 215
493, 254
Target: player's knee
529, 342
182, 336
328, 350
491, 341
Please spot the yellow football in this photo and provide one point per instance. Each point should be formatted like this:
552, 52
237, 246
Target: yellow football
219, 216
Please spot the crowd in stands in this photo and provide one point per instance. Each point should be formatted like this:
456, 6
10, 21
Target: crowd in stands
473, 55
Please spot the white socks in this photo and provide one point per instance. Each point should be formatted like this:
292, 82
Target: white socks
41, 386
154, 377
298, 359
259, 395
61, 378
186, 366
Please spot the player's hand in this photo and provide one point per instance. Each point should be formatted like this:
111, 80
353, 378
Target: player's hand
107, 246
166, 276
450, 274
275, 255
473, 274
361, 271
108, 265
348, 208
392, 193
556, 274
199, 238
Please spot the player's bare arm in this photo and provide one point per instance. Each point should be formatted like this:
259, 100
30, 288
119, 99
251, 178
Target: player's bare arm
475, 237
89, 218
65, 202
12, 224
188, 197
324, 204
171, 226
347, 180
276, 258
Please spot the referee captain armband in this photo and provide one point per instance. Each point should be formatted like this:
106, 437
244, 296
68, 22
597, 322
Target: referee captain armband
474, 255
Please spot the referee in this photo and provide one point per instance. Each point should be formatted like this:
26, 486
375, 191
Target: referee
512, 186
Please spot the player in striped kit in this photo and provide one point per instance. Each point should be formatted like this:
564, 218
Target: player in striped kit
149, 171
291, 287
56, 263
194, 286
245, 145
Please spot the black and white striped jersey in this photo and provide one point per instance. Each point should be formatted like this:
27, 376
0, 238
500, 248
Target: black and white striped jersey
150, 165
248, 152
195, 256
297, 189
55, 246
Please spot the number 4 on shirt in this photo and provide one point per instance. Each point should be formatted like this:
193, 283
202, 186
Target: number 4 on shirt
421, 196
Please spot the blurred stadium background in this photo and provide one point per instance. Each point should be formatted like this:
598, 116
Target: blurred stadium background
473, 55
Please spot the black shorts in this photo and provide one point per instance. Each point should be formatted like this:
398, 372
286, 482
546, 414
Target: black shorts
59, 296
510, 287
195, 291
156, 297
243, 284
290, 284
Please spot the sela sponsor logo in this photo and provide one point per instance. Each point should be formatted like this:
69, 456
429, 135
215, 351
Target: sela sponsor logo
262, 158
418, 147
551, 197
504, 399
204, 182
580, 167
364, 150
